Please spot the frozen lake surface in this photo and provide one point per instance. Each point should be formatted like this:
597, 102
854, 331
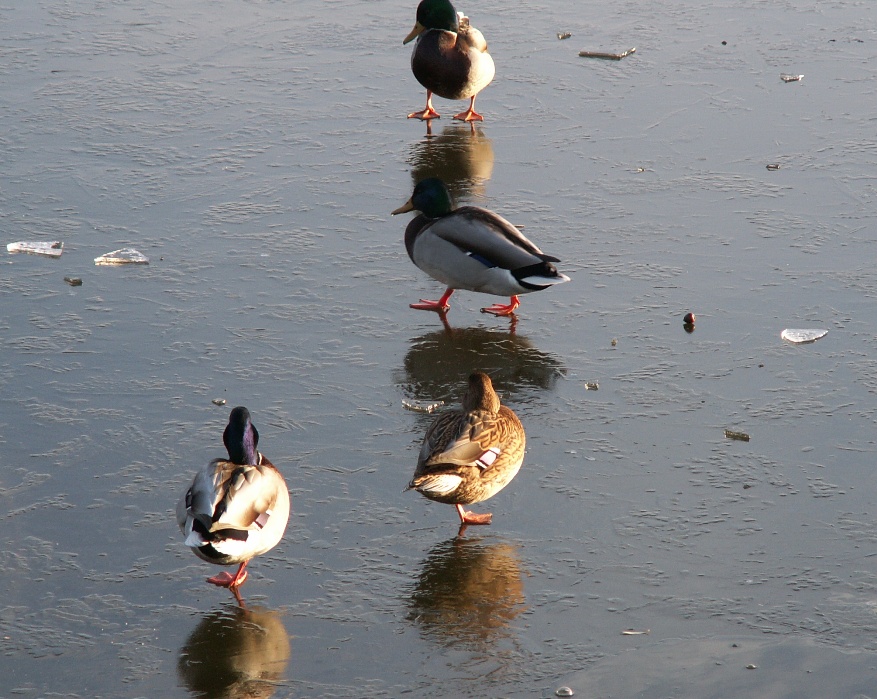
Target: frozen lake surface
253, 152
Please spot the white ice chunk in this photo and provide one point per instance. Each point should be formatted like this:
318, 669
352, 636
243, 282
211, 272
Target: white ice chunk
124, 256
799, 336
53, 249
422, 406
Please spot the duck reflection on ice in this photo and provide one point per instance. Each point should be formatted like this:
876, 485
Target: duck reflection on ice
469, 591
440, 361
236, 652
461, 155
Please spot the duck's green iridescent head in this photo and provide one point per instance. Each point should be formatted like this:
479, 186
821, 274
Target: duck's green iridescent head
431, 198
438, 14
434, 14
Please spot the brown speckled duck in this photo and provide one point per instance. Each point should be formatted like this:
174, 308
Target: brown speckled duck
449, 59
469, 455
236, 508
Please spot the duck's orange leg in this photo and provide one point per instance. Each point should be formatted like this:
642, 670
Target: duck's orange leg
428, 113
501, 309
470, 114
230, 581
440, 306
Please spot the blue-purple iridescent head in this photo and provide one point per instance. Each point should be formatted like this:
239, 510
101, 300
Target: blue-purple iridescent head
241, 438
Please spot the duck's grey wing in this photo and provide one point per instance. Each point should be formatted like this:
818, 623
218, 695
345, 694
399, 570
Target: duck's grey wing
489, 236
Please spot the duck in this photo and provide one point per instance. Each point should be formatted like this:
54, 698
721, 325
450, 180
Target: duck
469, 455
473, 249
236, 508
449, 59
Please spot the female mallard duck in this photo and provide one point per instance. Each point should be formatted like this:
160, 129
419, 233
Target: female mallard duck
449, 59
472, 248
236, 508
471, 454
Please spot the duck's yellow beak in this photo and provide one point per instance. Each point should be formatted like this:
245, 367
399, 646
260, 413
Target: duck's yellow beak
407, 206
414, 33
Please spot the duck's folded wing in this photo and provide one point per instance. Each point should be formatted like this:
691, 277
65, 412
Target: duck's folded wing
469, 36
489, 236
200, 500
229, 496
436, 483
472, 443
250, 494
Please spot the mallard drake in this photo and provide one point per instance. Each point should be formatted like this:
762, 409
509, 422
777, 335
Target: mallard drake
449, 59
474, 249
469, 455
236, 508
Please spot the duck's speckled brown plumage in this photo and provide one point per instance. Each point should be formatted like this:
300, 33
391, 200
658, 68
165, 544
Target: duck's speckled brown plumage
471, 454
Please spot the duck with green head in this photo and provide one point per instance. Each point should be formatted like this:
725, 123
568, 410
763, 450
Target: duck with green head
474, 249
236, 508
449, 59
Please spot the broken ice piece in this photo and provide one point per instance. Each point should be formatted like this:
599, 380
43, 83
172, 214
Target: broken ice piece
786, 78
53, 249
422, 406
124, 256
800, 336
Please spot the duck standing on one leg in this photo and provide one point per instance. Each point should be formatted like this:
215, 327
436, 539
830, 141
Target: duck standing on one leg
449, 59
236, 508
469, 455
474, 249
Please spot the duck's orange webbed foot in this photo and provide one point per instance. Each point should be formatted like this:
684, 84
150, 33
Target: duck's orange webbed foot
228, 580
469, 115
440, 306
428, 112
427, 305
501, 309
472, 518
